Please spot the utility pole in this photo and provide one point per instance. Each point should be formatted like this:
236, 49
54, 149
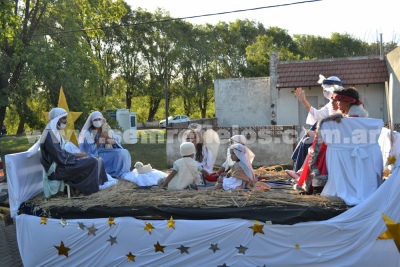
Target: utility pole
166, 95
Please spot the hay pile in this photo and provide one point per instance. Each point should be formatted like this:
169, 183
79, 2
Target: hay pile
129, 194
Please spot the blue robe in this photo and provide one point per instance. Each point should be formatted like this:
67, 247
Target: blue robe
300, 153
117, 160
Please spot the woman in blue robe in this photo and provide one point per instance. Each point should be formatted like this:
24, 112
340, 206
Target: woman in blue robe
97, 139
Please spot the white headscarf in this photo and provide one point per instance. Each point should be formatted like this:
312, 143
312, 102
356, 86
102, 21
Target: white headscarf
239, 139
89, 123
241, 152
54, 116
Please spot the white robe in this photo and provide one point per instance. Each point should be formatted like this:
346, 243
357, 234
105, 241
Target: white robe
353, 158
315, 115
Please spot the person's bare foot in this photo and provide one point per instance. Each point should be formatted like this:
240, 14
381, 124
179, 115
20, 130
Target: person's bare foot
293, 174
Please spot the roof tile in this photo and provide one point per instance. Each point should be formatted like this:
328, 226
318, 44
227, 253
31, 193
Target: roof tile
350, 70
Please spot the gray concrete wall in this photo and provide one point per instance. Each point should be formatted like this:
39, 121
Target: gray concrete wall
271, 144
243, 102
393, 65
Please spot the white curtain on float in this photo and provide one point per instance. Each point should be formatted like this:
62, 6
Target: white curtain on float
350, 239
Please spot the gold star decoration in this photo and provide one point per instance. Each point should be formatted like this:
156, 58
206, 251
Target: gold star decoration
171, 223
71, 117
159, 247
111, 222
257, 228
148, 227
130, 256
297, 246
391, 160
63, 222
43, 220
62, 250
393, 231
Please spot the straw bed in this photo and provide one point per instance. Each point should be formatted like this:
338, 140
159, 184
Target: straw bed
129, 194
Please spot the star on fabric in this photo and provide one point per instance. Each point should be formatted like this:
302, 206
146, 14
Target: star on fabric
214, 247
391, 160
81, 226
297, 246
148, 227
159, 247
62, 250
111, 222
43, 220
183, 249
63, 222
71, 117
171, 223
112, 240
130, 256
393, 231
92, 230
223, 265
257, 228
241, 249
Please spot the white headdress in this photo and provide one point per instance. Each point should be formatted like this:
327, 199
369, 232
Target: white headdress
187, 149
239, 139
89, 122
330, 85
54, 116
241, 151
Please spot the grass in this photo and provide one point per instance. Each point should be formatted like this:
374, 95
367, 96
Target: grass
149, 149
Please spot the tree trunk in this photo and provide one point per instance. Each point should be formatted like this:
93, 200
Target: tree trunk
2, 115
154, 104
128, 99
21, 124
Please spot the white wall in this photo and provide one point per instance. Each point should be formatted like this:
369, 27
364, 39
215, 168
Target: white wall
393, 64
243, 101
372, 95
288, 105
373, 98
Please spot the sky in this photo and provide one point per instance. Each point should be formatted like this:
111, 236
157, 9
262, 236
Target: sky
363, 19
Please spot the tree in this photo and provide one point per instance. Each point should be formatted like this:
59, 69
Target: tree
42, 46
339, 45
130, 53
258, 53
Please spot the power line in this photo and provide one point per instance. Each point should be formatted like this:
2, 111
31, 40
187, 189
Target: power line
182, 18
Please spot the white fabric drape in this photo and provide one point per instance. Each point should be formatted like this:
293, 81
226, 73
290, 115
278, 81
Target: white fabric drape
349, 239
24, 178
353, 158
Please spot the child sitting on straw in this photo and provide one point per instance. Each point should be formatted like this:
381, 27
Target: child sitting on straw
185, 173
241, 175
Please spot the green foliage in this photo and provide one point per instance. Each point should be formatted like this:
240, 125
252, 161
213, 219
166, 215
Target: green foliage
108, 56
